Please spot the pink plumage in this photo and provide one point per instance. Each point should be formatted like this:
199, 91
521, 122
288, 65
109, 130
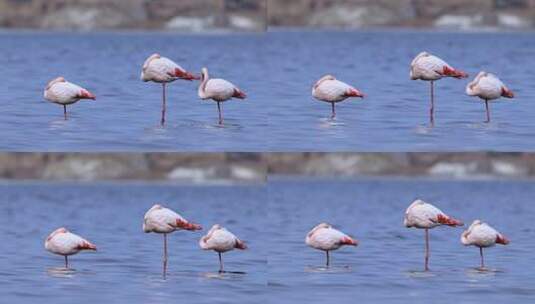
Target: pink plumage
65, 243
64, 93
218, 90
221, 240
488, 87
331, 90
326, 238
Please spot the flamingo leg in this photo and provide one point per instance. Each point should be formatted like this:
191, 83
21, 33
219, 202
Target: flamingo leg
482, 259
163, 104
426, 249
328, 258
220, 263
65, 111
66, 263
488, 110
164, 255
333, 110
432, 108
220, 113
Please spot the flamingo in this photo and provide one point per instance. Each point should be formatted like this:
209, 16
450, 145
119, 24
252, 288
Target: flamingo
163, 70
482, 235
488, 87
329, 89
431, 68
325, 237
64, 93
163, 220
63, 242
219, 90
423, 215
220, 240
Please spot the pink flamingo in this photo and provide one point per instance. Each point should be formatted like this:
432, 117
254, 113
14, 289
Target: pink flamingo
331, 90
219, 90
65, 243
325, 237
431, 68
220, 240
488, 87
423, 215
163, 70
65, 93
481, 235
162, 220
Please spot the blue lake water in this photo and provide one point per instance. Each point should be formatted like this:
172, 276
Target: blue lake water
126, 114
386, 267
127, 265
394, 116
277, 70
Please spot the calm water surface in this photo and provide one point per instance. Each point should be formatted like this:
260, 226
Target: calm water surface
277, 70
126, 114
394, 116
387, 265
127, 266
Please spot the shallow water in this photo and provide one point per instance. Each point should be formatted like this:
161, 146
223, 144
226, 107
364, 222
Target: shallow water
387, 265
127, 265
394, 115
277, 71
126, 114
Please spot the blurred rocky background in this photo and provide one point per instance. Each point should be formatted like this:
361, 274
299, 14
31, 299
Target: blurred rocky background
180, 15
254, 15
450, 14
254, 167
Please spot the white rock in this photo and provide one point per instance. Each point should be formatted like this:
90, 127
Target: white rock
245, 173
513, 21
508, 169
458, 170
463, 22
191, 24
197, 175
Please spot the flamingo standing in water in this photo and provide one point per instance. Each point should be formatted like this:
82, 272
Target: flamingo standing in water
220, 240
488, 87
331, 90
431, 68
65, 243
219, 90
481, 235
423, 215
162, 220
163, 70
325, 237
64, 93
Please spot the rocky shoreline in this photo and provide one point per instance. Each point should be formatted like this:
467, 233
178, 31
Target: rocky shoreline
254, 167
258, 15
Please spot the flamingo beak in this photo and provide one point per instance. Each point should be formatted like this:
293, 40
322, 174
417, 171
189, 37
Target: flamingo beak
85, 94
349, 241
501, 239
507, 93
186, 75
188, 226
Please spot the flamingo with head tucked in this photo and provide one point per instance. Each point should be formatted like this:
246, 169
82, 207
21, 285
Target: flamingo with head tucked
219, 90
431, 68
331, 90
65, 243
423, 215
163, 70
488, 87
163, 220
482, 235
221, 240
325, 237
64, 93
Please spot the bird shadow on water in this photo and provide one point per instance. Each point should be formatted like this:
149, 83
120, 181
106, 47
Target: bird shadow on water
61, 272
224, 275
329, 123
330, 269
421, 274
